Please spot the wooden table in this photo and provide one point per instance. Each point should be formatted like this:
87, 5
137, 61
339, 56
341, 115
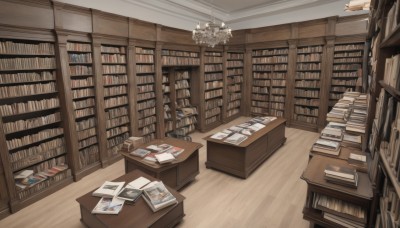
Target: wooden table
132, 215
316, 184
240, 160
175, 174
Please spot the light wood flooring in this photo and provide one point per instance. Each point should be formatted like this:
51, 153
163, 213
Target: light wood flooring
273, 196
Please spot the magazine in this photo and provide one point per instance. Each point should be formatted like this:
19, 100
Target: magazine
109, 189
108, 206
236, 139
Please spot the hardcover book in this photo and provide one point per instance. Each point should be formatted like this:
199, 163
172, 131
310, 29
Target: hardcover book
140, 152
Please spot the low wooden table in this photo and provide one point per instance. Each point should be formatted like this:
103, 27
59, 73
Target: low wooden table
240, 160
132, 215
175, 174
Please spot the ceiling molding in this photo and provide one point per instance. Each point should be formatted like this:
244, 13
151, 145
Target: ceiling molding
184, 14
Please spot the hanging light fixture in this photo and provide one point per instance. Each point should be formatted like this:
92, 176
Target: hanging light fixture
211, 33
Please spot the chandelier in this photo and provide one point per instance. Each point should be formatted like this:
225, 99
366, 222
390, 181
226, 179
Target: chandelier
212, 33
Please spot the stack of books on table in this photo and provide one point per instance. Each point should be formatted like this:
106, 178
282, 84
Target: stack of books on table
359, 161
162, 153
341, 175
114, 194
334, 134
337, 115
326, 147
351, 140
358, 116
157, 196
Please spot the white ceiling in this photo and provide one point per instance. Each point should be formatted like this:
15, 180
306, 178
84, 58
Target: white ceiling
238, 14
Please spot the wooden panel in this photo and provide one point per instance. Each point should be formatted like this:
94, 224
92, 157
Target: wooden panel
238, 37
351, 27
110, 24
142, 30
307, 30
27, 14
75, 19
176, 36
281, 32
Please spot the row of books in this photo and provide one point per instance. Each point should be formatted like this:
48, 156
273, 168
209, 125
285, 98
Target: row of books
306, 93
312, 57
308, 75
113, 91
278, 51
179, 53
79, 93
235, 63
80, 70
309, 84
270, 59
309, 49
278, 67
115, 101
146, 105
145, 96
114, 69
349, 47
177, 60
234, 71
117, 121
88, 156
140, 69
27, 63
262, 104
212, 59
26, 77
353, 67
21, 125
347, 60
80, 58
115, 79
312, 111
144, 58
29, 139
141, 50
269, 75
348, 54
306, 119
85, 124
14, 47
86, 82
112, 49
79, 47
213, 76
233, 55
212, 67
113, 58
308, 66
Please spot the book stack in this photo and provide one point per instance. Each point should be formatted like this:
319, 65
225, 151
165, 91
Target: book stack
131, 143
337, 115
358, 117
327, 147
157, 196
350, 140
162, 153
341, 175
359, 161
334, 134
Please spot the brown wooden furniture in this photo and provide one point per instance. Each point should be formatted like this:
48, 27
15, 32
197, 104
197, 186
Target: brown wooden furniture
316, 184
175, 174
132, 215
240, 160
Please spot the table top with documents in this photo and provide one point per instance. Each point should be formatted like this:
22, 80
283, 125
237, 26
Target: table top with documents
138, 214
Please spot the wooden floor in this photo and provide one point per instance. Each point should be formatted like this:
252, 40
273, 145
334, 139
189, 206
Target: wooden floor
273, 196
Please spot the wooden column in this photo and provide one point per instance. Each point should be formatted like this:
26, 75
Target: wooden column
100, 106
200, 94
225, 84
131, 71
290, 81
325, 82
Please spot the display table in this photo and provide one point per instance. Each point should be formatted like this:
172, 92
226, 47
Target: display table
316, 184
131, 215
240, 160
175, 174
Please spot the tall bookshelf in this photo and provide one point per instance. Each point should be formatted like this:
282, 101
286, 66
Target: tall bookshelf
234, 85
180, 114
146, 94
31, 132
269, 81
347, 68
84, 103
384, 116
307, 86
213, 89
116, 102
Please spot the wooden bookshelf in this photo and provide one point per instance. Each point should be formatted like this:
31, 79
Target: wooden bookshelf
146, 93
307, 86
116, 99
213, 90
31, 123
383, 117
270, 68
83, 89
234, 85
347, 68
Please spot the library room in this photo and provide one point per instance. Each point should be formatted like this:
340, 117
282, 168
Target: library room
211, 113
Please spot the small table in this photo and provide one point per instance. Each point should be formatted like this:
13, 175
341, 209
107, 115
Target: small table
241, 160
134, 215
316, 184
175, 174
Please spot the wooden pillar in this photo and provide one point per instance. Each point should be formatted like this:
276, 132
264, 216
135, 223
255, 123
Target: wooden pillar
247, 83
160, 129
290, 81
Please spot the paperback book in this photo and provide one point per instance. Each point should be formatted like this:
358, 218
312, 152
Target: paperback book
111, 206
109, 189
